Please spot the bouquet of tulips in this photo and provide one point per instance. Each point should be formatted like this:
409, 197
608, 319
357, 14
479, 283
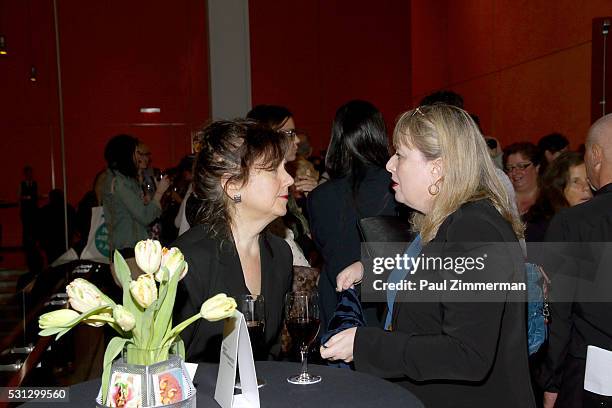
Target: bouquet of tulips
144, 320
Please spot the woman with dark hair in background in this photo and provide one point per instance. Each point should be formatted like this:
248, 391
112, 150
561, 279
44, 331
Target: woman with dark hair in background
241, 184
522, 164
564, 184
553, 145
126, 213
359, 187
294, 226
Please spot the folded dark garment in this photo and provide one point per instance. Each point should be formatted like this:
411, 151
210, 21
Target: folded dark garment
349, 313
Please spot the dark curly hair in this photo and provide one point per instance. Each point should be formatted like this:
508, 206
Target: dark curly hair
230, 150
555, 179
273, 116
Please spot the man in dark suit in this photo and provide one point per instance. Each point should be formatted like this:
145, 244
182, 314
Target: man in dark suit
581, 316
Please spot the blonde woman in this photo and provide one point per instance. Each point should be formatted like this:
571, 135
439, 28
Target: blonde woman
464, 352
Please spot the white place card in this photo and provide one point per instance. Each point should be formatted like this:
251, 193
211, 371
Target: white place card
191, 369
598, 373
236, 352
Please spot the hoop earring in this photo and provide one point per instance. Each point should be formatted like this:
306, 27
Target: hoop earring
237, 198
434, 188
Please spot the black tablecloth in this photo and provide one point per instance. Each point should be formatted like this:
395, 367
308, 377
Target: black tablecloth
339, 388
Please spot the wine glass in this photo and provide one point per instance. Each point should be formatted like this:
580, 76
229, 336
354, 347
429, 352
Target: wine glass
302, 318
252, 307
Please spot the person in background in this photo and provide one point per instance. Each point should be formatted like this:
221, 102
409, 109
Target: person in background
91, 199
148, 177
522, 164
552, 145
496, 152
125, 211
564, 184
359, 187
172, 200
450, 353
443, 96
241, 184
582, 317
293, 226
28, 206
50, 227
302, 167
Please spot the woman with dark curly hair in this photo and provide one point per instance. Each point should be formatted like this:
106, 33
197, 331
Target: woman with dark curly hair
564, 184
293, 227
241, 185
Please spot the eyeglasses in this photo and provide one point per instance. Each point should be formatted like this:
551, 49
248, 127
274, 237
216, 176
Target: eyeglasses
518, 166
289, 132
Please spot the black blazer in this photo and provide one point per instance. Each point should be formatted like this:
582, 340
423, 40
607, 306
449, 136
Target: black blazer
458, 354
334, 213
581, 314
214, 267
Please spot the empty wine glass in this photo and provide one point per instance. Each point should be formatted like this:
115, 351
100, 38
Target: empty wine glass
253, 309
302, 318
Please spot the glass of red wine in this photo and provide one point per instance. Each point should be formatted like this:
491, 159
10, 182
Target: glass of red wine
302, 319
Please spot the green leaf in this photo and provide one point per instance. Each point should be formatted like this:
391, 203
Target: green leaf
163, 289
122, 270
180, 348
163, 319
112, 351
176, 330
80, 318
146, 324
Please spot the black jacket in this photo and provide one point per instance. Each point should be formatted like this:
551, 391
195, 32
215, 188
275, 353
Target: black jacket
334, 213
214, 267
459, 354
581, 309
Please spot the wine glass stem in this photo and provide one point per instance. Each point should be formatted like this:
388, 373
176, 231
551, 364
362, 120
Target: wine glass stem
304, 356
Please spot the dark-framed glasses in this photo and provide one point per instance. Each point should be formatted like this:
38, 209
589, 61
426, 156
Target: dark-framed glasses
289, 132
518, 166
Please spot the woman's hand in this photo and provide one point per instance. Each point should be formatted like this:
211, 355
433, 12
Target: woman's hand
305, 184
340, 346
349, 276
162, 185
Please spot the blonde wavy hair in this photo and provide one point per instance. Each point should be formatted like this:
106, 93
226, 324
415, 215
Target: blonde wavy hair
446, 132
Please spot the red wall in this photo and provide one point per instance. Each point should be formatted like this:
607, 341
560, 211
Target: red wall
116, 57
313, 56
523, 66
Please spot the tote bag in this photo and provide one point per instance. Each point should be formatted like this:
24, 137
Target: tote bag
97, 248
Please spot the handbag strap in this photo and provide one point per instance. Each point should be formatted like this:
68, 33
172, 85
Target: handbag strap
413, 250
